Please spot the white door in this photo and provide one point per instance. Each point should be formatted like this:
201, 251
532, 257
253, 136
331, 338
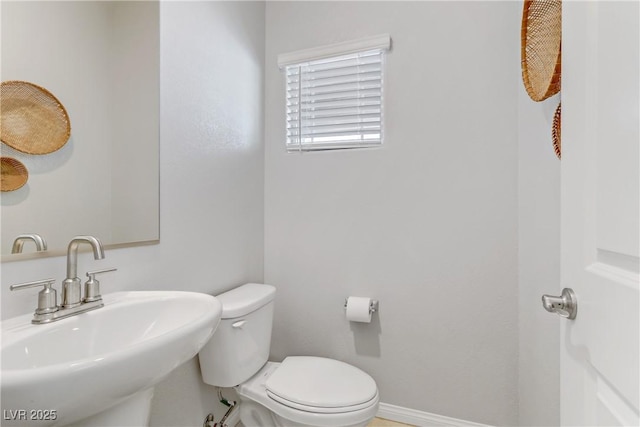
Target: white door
600, 212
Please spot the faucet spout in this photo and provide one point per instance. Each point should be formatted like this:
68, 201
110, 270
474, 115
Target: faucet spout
18, 243
71, 295
72, 253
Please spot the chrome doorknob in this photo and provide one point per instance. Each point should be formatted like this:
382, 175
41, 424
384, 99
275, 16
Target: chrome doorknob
565, 305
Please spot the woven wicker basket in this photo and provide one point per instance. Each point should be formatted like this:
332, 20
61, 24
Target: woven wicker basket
13, 174
555, 132
540, 48
33, 121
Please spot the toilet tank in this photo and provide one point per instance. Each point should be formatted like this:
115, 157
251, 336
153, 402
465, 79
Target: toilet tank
240, 346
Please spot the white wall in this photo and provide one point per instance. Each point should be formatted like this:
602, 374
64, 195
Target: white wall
427, 224
211, 201
538, 262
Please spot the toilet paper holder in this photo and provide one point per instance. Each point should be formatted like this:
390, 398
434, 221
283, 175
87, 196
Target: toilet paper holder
373, 305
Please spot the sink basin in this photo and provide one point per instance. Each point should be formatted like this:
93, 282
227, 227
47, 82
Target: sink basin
66, 371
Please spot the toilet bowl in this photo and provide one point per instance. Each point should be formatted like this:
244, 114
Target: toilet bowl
301, 398
299, 391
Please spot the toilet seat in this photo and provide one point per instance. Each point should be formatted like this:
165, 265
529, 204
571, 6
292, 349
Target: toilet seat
318, 384
256, 390
321, 410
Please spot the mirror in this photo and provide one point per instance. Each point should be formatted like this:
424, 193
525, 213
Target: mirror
100, 59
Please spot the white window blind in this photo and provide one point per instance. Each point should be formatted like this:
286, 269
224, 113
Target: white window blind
335, 102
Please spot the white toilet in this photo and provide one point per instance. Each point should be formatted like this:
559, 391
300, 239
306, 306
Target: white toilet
300, 391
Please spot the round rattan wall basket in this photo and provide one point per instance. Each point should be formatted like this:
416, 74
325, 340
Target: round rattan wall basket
540, 48
13, 174
556, 134
33, 121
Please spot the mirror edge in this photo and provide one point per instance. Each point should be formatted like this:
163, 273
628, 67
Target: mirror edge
63, 252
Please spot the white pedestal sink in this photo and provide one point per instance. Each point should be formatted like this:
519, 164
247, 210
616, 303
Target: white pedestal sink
99, 368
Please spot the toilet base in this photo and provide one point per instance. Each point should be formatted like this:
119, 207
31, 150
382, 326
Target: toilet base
253, 414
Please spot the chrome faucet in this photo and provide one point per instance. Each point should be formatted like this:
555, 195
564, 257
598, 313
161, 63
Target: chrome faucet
71, 302
18, 243
71, 289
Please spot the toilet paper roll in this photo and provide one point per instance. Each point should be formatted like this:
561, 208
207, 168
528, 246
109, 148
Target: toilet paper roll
358, 309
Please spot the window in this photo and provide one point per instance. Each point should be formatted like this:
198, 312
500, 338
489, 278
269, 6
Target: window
334, 95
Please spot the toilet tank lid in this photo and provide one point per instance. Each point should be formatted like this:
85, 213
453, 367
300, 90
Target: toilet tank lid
245, 299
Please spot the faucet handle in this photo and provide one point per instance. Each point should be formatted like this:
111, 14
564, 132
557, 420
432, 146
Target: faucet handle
92, 286
47, 298
106, 270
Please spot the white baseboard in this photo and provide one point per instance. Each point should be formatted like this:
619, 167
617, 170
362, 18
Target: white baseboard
421, 419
